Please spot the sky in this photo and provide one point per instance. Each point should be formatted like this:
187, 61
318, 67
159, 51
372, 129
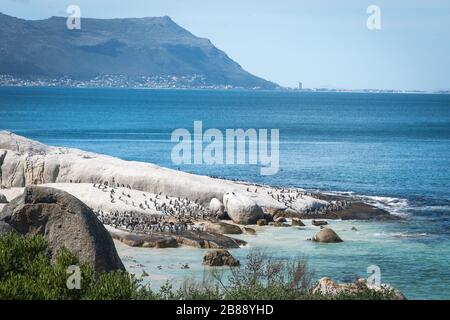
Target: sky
320, 43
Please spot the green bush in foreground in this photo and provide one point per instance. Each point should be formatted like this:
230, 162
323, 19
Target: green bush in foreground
265, 278
27, 272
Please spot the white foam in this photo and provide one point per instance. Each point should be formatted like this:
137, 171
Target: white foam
401, 234
396, 206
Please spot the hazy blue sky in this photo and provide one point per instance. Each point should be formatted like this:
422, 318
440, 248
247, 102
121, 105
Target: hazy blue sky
318, 42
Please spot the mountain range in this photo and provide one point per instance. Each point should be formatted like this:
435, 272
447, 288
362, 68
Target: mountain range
130, 47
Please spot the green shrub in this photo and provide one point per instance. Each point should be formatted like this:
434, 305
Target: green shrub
265, 278
26, 272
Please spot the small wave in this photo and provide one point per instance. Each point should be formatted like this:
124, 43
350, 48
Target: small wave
396, 206
339, 193
410, 235
431, 208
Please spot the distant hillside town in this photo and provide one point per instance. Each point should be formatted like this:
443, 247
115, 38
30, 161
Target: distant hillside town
194, 81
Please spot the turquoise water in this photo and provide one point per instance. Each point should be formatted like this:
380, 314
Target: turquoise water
392, 148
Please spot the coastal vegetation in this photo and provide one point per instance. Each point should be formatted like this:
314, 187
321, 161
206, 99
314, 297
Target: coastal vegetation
27, 271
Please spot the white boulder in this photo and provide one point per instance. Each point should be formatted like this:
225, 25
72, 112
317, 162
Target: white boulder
242, 209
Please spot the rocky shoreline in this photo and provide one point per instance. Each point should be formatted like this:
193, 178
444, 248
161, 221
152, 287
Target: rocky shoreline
159, 207
357, 211
82, 201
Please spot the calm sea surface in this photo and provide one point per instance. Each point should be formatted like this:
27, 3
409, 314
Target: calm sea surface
392, 148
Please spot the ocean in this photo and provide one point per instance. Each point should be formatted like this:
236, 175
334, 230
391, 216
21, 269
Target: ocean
391, 149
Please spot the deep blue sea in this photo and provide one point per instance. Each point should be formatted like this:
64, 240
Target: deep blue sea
393, 149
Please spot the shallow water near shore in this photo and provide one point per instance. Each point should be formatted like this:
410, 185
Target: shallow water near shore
406, 259
391, 149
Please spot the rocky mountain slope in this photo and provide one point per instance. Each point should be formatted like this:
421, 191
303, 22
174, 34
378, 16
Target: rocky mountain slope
119, 47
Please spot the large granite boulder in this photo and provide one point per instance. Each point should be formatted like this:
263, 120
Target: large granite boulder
3, 198
26, 162
64, 221
327, 286
218, 258
242, 209
327, 235
222, 228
